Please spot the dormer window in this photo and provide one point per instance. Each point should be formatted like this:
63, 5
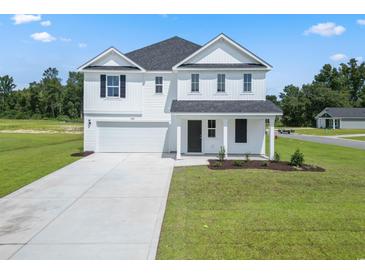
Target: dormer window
247, 82
113, 86
195, 82
159, 84
221, 83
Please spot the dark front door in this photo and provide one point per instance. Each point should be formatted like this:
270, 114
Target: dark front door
194, 136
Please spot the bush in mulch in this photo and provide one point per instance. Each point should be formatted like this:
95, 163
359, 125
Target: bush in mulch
82, 153
254, 164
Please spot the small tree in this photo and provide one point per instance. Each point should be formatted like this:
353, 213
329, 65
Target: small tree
276, 157
297, 159
246, 157
221, 154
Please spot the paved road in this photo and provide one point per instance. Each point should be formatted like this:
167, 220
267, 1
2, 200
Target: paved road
327, 140
105, 206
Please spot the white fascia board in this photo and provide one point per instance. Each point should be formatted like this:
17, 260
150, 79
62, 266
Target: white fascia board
111, 71
225, 114
105, 52
229, 40
220, 69
103, 112
130, 120
320, 114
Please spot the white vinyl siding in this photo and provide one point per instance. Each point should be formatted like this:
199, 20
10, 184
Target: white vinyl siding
233, 86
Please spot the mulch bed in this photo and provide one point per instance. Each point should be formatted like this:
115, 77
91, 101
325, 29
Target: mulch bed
82, 154
254, 164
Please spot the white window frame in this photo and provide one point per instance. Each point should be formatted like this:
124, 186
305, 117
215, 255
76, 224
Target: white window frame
112, 86
159, 85
210, 128
247, 83
195, 85
221, 85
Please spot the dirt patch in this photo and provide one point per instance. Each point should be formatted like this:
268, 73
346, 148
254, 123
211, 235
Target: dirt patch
254, 164
82, 154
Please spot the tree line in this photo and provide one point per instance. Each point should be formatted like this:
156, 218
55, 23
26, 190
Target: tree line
48, 98
342, 86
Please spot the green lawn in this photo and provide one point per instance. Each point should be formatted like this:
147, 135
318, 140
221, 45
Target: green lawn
358, 138
27, 157
40, 125
257, 214
326, 132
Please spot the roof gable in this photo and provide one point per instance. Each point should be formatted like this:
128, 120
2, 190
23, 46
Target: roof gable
223, 50
163, 55
111, 58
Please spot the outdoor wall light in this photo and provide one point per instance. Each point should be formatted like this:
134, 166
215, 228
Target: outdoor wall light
89, 123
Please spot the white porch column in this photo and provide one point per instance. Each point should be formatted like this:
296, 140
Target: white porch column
272, 138
225, 135
333, 124
178, 138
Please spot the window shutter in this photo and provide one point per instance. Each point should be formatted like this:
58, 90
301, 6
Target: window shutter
102, 85
122, 86
241, 130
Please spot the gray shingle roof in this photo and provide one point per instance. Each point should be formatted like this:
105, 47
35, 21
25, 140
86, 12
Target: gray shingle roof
224, 106
211, 65
111, 68
346, 112
163, 55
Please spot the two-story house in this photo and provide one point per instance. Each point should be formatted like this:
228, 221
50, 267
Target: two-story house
177, 96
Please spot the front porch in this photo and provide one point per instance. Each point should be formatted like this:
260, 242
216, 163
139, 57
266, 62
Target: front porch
199, 137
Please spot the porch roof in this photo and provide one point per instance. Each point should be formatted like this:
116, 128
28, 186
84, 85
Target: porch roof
224, 106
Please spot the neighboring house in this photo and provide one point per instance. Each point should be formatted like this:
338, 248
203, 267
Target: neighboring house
177, 96
341, 118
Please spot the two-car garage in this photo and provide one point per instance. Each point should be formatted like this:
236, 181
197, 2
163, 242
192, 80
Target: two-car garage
132, 136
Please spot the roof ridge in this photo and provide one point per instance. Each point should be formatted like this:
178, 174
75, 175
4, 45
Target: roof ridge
163, 41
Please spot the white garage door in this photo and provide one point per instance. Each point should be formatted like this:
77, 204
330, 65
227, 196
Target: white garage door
132, 137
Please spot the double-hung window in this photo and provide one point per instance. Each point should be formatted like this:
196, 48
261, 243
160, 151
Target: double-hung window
221, 83
211, 128
195, 82
113, 86
159, 84
247, 82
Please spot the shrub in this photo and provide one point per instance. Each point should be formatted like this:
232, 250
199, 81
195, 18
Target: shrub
63, 118
238, 163
246, 157
217, 164
276, 157
297, 159
221, 154
265, 164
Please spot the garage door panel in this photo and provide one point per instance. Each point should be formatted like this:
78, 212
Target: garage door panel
132, 137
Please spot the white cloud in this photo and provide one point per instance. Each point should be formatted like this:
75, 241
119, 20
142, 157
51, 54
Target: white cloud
359, 59
46, 23
338, 57
326, 29
43, 37
25, 18
361, 21
82, 45
65, 39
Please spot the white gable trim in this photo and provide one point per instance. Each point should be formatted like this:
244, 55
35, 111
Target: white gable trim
107, 51
321, 113
231, 42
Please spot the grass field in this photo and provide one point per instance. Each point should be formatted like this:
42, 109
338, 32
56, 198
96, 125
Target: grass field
358, 138
27, 157
40, 125
257, 214
326, 132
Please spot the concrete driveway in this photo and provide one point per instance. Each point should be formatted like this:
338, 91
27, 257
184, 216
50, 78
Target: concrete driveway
105, 206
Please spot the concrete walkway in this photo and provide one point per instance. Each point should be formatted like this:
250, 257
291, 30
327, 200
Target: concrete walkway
327, 140
105, 206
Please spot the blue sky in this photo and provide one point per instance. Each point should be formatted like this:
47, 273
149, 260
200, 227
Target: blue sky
295, 45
